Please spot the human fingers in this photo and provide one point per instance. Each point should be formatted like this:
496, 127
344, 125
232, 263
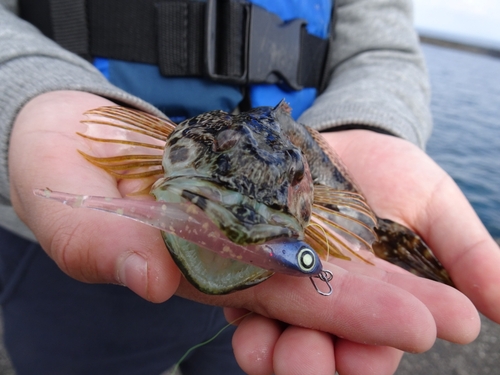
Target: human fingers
265, 346
259, 338
303, 351
353, 358
456, 318
370, 305
360, 308
404, 184
88, 246
253, 343
464, 247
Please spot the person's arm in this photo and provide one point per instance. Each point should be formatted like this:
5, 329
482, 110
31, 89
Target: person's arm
378, 78
30, 65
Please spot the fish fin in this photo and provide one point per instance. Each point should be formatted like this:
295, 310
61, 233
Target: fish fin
332, 155
401, 246
283, 106
128, 166
322, 243
328, 196
346, 221
335, 240
347, 210
126, 143
132, 120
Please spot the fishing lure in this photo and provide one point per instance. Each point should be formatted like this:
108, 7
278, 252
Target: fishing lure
186, 221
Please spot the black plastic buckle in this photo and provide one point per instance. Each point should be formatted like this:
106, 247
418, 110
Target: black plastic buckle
271, 48
274, 48
211, 52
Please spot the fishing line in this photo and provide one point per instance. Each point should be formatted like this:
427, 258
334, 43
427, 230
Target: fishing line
176, 367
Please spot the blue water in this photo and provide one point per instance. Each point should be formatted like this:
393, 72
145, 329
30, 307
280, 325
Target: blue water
466, 137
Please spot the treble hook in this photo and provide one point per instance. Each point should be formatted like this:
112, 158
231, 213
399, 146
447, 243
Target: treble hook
326, 276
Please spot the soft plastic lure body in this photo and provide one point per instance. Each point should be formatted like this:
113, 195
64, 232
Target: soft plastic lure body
186, 221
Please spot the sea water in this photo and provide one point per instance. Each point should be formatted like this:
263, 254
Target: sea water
466, 137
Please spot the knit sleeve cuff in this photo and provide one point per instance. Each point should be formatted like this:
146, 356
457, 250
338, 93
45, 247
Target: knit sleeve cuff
27, 77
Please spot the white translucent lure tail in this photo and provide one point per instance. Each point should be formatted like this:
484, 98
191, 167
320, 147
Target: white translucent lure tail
187, 221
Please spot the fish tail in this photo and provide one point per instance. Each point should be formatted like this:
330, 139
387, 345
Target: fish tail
404, 248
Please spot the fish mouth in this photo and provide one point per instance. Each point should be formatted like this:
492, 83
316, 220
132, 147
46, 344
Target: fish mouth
211, 273
242, 219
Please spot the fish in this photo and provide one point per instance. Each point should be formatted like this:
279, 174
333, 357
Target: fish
272, 189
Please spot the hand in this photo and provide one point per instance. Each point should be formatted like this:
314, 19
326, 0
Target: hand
362, 328
87, 245
402, 183
405, 185
368, 305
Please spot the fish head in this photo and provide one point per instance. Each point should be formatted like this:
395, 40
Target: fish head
243, 171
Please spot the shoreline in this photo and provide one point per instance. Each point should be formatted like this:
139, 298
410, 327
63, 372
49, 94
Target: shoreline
460, 46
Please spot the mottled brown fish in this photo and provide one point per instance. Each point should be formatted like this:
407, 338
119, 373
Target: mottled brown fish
258, 176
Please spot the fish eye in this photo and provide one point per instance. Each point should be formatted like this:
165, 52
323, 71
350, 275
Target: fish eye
306, 259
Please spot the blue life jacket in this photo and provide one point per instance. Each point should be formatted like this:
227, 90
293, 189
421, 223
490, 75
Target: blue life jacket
183, 97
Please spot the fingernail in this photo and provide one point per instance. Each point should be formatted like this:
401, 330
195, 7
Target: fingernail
133, 273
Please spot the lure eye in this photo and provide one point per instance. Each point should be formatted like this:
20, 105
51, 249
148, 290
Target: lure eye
306, 259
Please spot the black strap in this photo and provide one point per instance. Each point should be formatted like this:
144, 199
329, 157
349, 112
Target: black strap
70, 29
180, 37
62, 20
220, 39
123, 30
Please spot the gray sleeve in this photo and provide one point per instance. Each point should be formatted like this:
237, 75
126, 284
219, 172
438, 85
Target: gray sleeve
378, 76
31, 64
10, 5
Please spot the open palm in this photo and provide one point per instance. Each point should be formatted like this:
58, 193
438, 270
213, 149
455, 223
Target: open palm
403, 184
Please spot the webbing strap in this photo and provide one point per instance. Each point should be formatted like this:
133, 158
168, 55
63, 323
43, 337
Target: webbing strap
123, 30
69, 25
214, 39
180, 36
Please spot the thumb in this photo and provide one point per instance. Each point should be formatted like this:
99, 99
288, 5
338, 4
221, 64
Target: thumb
88, 246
